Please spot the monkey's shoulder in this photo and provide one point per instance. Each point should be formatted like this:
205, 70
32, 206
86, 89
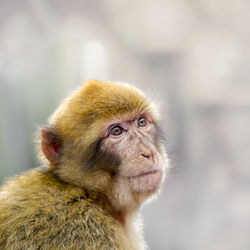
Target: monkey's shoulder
39, 211
39, 187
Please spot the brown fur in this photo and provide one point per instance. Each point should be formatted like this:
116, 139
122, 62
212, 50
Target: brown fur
81, 200
38, 211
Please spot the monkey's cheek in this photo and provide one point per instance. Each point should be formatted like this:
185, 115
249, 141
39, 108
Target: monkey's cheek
150, 182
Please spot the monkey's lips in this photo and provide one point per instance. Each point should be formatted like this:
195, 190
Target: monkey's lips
147, 181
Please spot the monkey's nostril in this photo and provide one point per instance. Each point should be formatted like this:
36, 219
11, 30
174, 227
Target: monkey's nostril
146, 156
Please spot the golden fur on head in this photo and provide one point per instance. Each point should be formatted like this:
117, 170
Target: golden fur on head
96, 101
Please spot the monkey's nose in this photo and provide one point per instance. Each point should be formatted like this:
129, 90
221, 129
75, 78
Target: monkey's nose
146, 156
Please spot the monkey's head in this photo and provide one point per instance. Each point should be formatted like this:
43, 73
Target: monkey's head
105, 138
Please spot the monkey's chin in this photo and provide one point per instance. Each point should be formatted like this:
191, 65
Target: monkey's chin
147, 182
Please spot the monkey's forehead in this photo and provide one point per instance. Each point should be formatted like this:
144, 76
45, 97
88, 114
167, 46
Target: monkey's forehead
101, 100
108, 98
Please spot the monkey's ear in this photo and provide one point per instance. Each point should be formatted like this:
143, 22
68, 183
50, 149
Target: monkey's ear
50, 145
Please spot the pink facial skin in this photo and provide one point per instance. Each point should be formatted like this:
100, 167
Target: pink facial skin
133, 140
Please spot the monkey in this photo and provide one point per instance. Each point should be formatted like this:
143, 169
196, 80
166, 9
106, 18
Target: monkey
101, 159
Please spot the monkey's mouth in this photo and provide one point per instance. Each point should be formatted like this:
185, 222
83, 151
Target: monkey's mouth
147, 181
145, 174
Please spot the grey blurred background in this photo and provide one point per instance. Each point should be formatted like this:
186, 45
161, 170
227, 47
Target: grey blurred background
193, 57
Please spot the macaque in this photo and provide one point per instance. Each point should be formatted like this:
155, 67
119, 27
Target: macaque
101, 159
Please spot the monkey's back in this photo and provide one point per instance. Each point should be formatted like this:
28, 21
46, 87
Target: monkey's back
37, 211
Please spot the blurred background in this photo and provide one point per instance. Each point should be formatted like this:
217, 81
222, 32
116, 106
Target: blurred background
191, 57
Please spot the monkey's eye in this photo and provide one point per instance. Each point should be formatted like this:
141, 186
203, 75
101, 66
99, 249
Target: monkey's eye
142, 122
117, 130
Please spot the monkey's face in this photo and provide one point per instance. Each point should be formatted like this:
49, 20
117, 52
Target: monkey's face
133, 140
